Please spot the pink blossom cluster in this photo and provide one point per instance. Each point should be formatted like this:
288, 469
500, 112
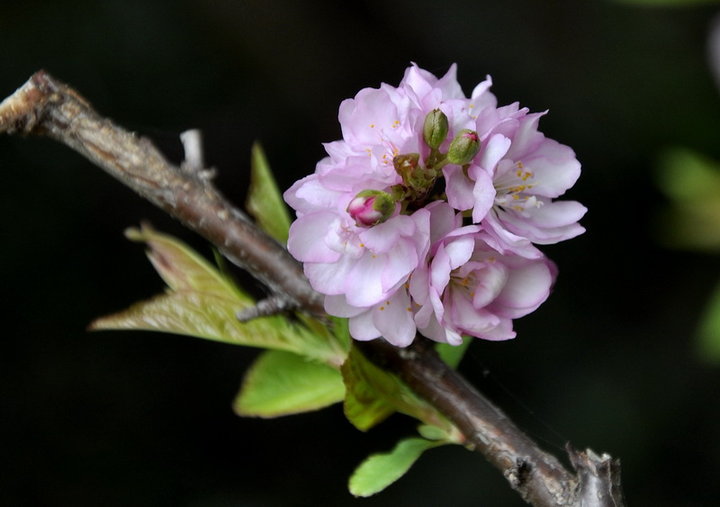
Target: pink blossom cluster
425, 216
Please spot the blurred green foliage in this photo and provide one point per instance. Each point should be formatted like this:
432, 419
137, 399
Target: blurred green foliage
692, 182
667, 3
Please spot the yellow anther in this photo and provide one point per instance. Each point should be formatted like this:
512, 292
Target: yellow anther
524, 175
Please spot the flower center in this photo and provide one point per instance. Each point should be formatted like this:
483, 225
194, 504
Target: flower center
512, 189
464, 281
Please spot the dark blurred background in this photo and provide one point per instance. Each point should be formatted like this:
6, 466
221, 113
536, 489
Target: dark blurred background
118, 418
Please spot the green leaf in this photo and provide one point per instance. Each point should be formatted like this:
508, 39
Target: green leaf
380, 470
264, 201
182, 268
281, 383
453, 354
373, 394
201, 302
363, 405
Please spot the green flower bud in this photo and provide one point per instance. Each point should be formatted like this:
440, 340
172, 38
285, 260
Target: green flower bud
435, 128
464, 147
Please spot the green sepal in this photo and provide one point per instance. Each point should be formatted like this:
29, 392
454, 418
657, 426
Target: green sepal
378, 471
282, 383
201, 302
372, 394
264, 201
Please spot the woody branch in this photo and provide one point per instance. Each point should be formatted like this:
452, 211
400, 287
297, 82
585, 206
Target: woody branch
45, 106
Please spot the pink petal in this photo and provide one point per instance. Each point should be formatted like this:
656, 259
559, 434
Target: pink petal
493, 151
338, 306
527, 287
483, 195
555, 168
362, 328
458, 188
305, 239
329, 278
394, 319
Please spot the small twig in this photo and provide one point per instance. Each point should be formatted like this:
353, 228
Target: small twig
599, 478
192, 145
194, 162
45, 106
263, 308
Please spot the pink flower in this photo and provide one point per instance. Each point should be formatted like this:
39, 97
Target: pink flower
378, 229
470, 288
511, 184
346, 248
379, 124
367, 265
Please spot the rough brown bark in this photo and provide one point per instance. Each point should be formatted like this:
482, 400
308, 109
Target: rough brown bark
47, 107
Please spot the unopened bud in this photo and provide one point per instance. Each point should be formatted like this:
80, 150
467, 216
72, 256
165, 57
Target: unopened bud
464, 147
371, 207
435, 128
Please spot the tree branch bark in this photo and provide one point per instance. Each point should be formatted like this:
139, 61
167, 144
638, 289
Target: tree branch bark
45, 106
